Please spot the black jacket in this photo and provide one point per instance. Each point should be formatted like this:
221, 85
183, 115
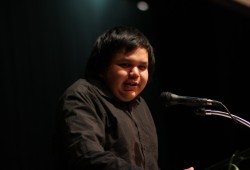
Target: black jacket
101, 133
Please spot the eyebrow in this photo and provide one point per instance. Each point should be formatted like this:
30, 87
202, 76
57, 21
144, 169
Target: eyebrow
126, 59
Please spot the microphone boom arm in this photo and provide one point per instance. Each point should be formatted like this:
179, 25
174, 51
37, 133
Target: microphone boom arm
205, 112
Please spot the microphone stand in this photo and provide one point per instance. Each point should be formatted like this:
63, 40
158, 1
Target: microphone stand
205, 112
232, 162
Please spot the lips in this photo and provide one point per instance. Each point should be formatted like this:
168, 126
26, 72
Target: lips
130, 86
131, 83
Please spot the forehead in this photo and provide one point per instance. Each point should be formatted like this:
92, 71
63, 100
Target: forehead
138, 54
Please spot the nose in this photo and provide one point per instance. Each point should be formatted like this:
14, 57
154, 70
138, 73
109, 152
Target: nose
134, 72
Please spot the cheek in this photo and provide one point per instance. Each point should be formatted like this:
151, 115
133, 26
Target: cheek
116, 76
119, 75
144, 76
114, 80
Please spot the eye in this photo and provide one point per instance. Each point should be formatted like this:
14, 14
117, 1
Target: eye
143, 67
125, 65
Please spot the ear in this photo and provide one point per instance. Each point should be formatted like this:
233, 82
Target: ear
101, 75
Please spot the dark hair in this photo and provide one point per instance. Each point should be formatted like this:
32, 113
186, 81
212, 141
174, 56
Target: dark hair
112, 41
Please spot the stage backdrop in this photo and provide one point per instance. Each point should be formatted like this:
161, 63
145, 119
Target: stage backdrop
201, 50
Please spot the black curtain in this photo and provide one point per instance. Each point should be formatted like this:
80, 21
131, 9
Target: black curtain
201, 50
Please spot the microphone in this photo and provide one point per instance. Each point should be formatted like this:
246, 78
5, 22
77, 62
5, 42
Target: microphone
170, 99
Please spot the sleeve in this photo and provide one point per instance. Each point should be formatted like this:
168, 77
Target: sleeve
83, 135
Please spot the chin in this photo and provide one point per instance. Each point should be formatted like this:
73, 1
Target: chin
127, 96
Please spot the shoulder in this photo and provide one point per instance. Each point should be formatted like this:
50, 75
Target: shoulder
79, 88
80, 85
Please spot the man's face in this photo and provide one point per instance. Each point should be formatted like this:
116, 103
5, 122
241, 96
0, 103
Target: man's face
127, 74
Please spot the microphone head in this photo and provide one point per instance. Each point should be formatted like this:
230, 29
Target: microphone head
167, 98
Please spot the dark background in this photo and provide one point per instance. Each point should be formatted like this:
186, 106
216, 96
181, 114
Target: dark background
202, 50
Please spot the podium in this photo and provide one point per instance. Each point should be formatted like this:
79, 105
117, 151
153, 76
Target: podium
238, 161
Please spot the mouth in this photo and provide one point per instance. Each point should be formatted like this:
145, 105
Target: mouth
130, 86
131, 83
